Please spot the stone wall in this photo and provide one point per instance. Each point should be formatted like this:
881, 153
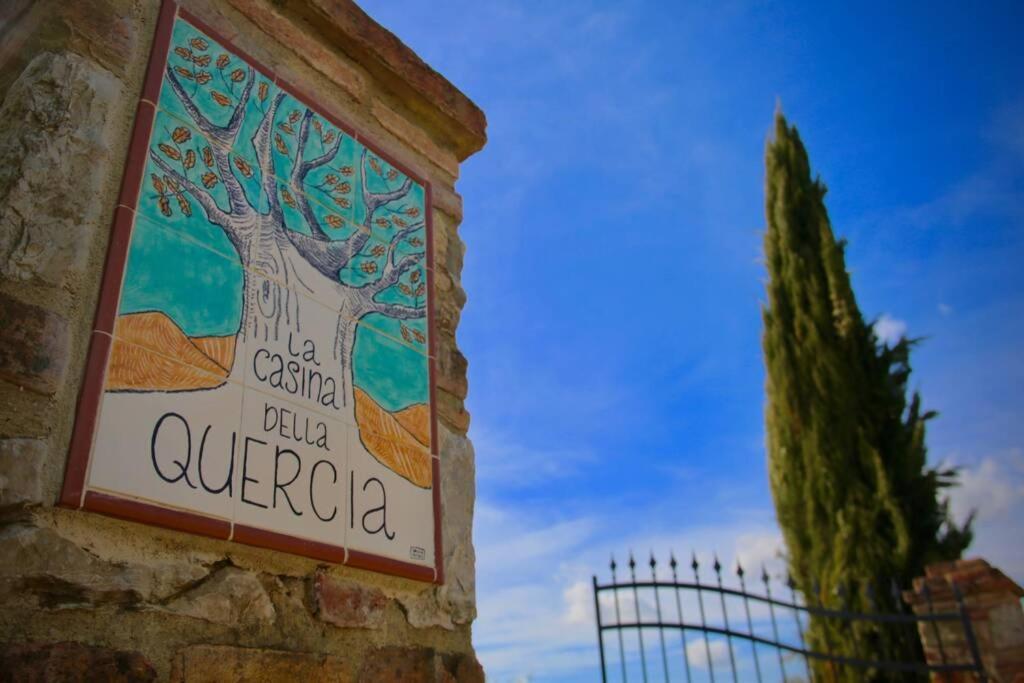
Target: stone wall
88, 595
992, 603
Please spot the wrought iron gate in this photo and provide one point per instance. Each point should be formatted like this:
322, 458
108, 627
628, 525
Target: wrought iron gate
777, 653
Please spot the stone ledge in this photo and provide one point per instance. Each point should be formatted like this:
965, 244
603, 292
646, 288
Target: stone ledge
68, 661
215, 663
380, 52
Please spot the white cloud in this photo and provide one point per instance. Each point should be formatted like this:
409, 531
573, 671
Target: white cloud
890, 330
994, 486
505, 461
945, 309
990, 487
697, 652
579, 603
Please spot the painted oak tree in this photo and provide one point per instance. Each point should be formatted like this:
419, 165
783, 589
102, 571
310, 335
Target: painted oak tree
245, 179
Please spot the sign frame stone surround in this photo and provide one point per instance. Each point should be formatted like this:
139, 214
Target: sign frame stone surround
76, 492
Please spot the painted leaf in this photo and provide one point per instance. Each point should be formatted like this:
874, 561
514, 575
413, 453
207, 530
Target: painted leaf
169, 151
220, 98
202, 60
280, 144
190, 159
243, 167
199, 43
183, 72
208, 156
158, 184
237, 75
183, 204
183, 52
263, 91
223, 61
203, 77
210, 179
334, 221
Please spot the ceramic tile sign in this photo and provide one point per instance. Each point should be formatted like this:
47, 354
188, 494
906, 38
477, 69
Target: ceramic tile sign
261, 363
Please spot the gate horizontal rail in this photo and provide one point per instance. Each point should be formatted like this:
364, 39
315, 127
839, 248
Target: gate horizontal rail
653, 588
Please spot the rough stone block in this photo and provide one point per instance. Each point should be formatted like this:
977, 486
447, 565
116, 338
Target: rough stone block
21, 471
346, 604
451, 371
458, 481
55, 150
230, 596
39, 565
415, 137
418, 665
448, 201
452, 412
33, 347
58, 662
217, 663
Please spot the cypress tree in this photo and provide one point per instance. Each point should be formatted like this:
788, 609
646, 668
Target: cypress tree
858, 506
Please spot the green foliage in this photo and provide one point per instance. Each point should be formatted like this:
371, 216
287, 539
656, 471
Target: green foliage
856, 501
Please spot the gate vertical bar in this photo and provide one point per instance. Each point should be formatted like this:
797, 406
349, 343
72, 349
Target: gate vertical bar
972, 644
618, 622
679, 611
600, 633
636, 609
750, 623
661, 624
703, 621
775, 625
717, 566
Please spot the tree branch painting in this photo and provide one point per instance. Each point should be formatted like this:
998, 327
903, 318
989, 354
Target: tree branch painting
328, 240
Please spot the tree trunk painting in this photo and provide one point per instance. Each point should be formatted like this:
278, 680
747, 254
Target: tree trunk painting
273, 255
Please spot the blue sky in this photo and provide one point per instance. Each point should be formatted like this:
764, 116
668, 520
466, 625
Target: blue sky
613, 229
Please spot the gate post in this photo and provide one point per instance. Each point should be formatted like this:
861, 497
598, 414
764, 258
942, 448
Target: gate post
992, 603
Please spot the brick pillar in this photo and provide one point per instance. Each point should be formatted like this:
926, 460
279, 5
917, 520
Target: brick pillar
993, 603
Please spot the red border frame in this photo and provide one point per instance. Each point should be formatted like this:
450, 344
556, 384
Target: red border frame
73, 493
